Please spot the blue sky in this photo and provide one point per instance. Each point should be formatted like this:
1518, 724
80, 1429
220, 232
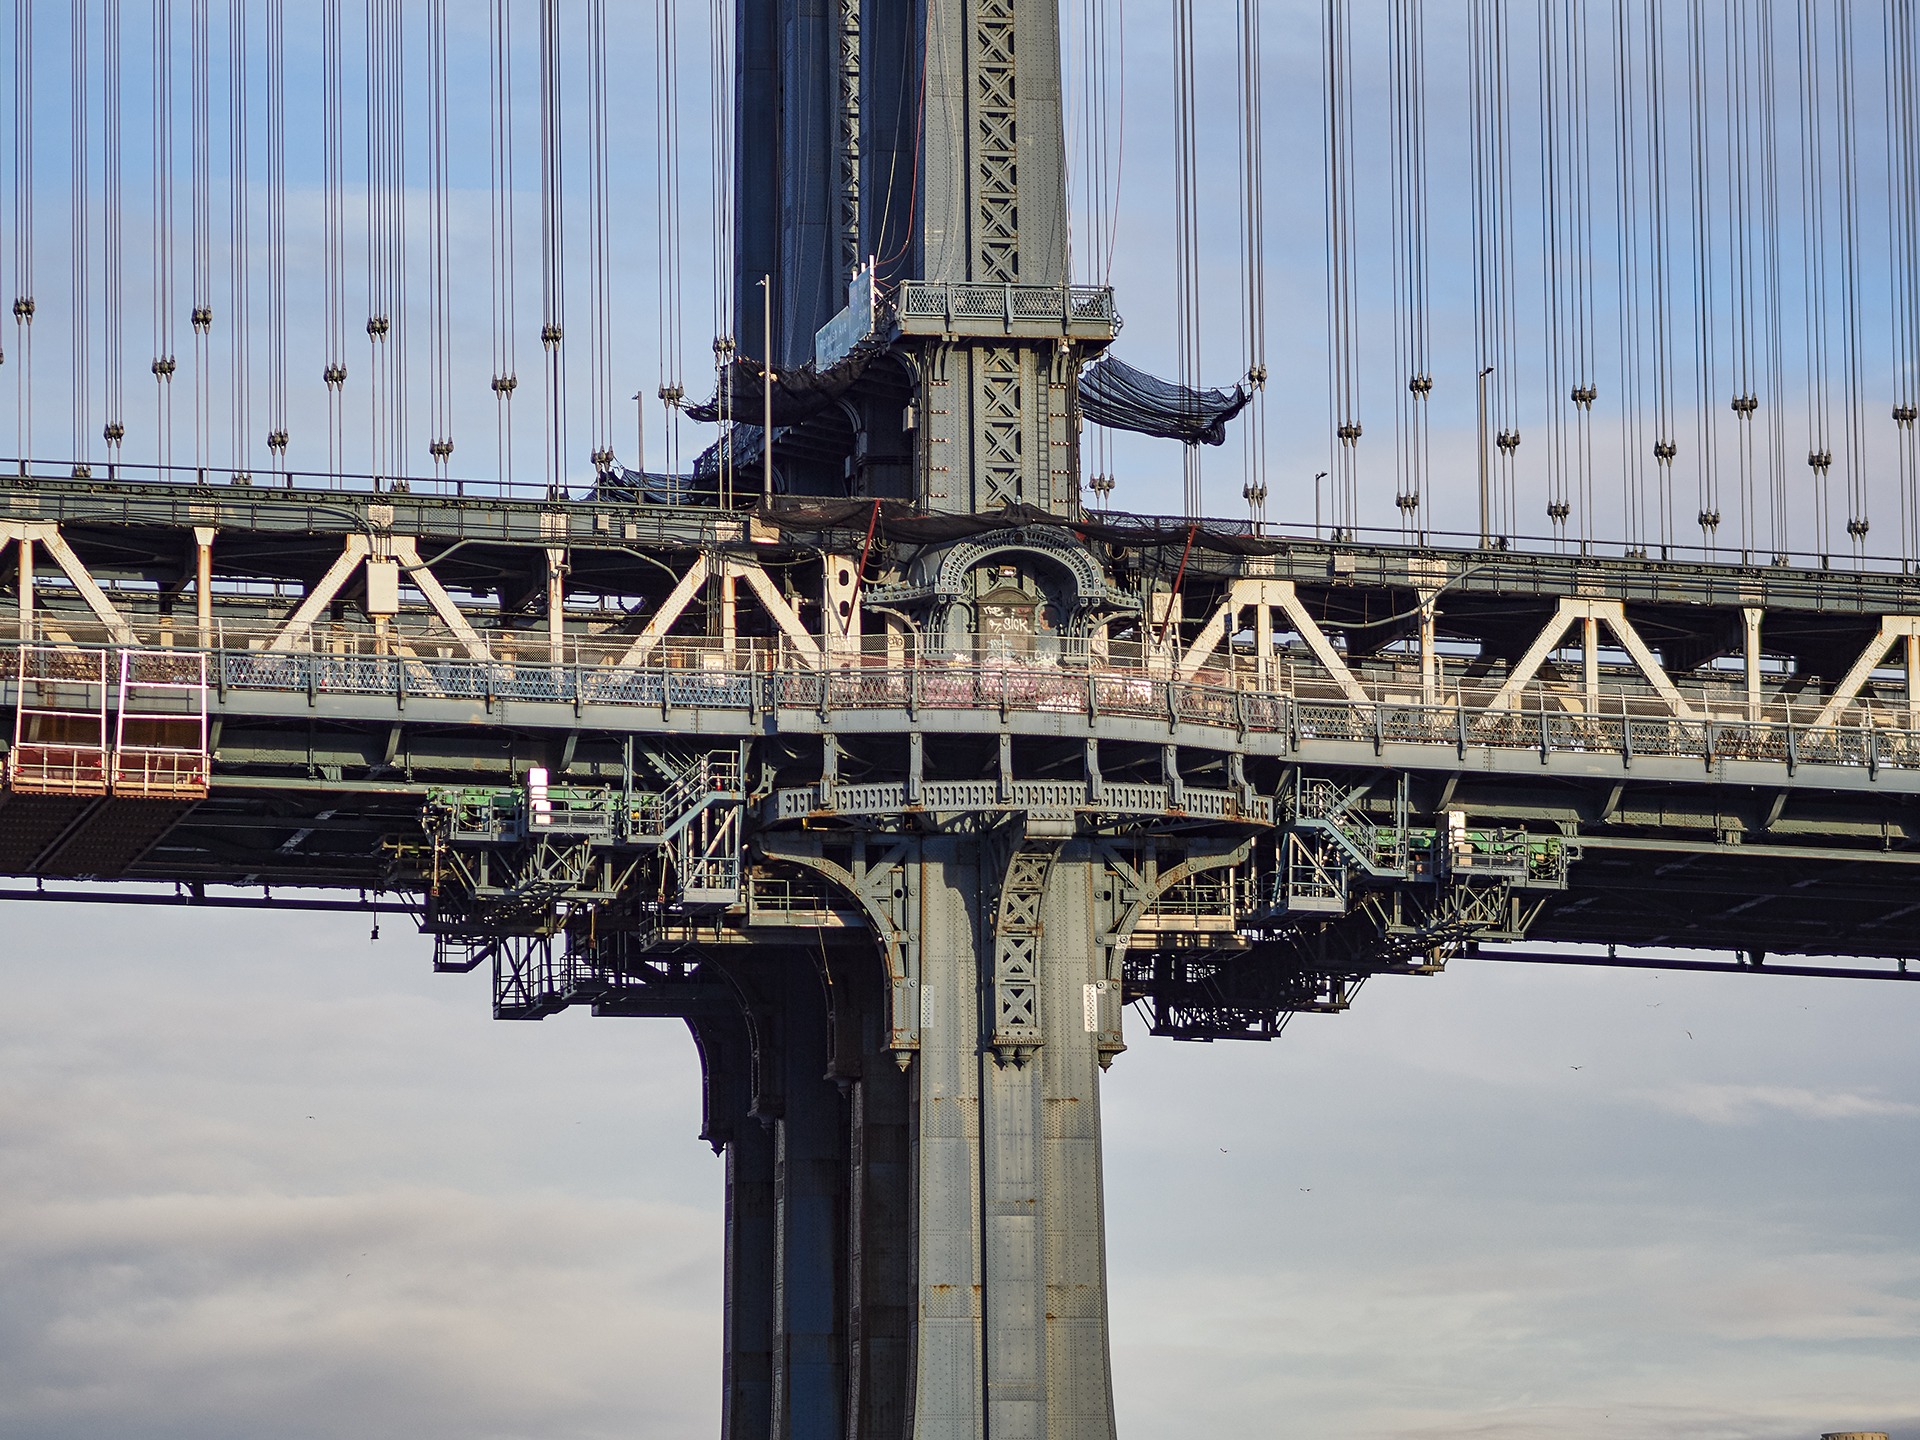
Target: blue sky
261, 1175
1299, 441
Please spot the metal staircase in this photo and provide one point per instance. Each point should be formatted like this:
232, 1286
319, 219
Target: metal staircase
507, 869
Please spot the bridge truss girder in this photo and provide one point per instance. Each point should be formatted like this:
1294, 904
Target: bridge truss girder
904, 886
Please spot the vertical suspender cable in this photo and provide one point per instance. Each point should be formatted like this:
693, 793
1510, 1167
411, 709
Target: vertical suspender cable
200, 81
381, 195
1660, 269
1253, 249
1407, 67
276, 63
112, 254
1507, 379
387, 232
1579, 91
164, 364
600, 238
239, 237
379, 321
23, 303
1630, 267
552, 243
1743, 127
440, 443
1186, 234
334, 146
80, 242
725, 343
1769, 107
1847, 136
500, 115
1813, 274
1342, 301
1706, 294
1903, 257
1556, 262
1493, 263
667, 182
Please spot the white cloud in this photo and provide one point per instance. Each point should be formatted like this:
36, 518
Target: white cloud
1747, 1104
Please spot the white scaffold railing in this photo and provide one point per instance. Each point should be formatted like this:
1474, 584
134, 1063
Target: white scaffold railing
1622, 724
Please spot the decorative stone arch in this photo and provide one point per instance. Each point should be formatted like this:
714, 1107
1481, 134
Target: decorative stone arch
1090, 588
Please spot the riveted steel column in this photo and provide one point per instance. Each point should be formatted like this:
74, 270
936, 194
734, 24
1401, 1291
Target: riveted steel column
949, 1374
809, 1382
1011, 1289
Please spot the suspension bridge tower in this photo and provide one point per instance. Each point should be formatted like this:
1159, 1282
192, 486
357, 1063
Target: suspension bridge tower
871, 754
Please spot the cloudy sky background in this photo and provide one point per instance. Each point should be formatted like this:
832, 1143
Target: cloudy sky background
263, 1176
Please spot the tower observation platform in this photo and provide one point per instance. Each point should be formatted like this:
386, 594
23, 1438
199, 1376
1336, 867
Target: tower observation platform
916, 787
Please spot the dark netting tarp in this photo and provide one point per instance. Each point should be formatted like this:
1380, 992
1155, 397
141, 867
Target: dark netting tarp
797, 393
1114, 394
900, 521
